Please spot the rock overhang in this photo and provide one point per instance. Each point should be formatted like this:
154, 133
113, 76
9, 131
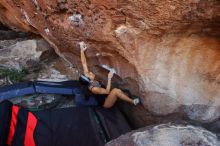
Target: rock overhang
165, 51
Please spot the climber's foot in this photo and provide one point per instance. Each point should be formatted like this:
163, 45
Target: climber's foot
136, 101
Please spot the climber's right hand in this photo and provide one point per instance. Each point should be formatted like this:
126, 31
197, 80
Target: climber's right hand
110, 74
83, 46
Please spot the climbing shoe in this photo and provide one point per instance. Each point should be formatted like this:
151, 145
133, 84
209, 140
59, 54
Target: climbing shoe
136, 101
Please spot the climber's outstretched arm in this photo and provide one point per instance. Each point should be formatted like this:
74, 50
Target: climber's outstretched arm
110, 75
83, 59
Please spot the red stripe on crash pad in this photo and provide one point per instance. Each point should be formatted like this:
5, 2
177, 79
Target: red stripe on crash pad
14, 115
31, 125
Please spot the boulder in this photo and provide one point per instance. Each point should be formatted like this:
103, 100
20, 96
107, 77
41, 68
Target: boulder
167, 135
165, 51
24, 54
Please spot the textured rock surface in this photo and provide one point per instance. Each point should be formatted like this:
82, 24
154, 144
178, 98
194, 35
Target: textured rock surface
167, 51
21, 54
167, 135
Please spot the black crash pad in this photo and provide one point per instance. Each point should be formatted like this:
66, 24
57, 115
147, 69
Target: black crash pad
79, 126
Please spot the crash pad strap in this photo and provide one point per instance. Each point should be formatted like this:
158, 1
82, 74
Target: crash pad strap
14, 116
31, 125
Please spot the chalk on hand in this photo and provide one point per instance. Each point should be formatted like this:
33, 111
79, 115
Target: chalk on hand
82, 44
112, 70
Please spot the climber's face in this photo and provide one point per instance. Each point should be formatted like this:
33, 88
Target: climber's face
91, 76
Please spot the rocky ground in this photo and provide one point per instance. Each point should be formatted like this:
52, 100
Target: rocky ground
167, 135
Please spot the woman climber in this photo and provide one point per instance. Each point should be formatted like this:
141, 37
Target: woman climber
95, 87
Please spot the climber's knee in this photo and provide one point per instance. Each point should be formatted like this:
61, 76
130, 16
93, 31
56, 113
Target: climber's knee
116, 91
